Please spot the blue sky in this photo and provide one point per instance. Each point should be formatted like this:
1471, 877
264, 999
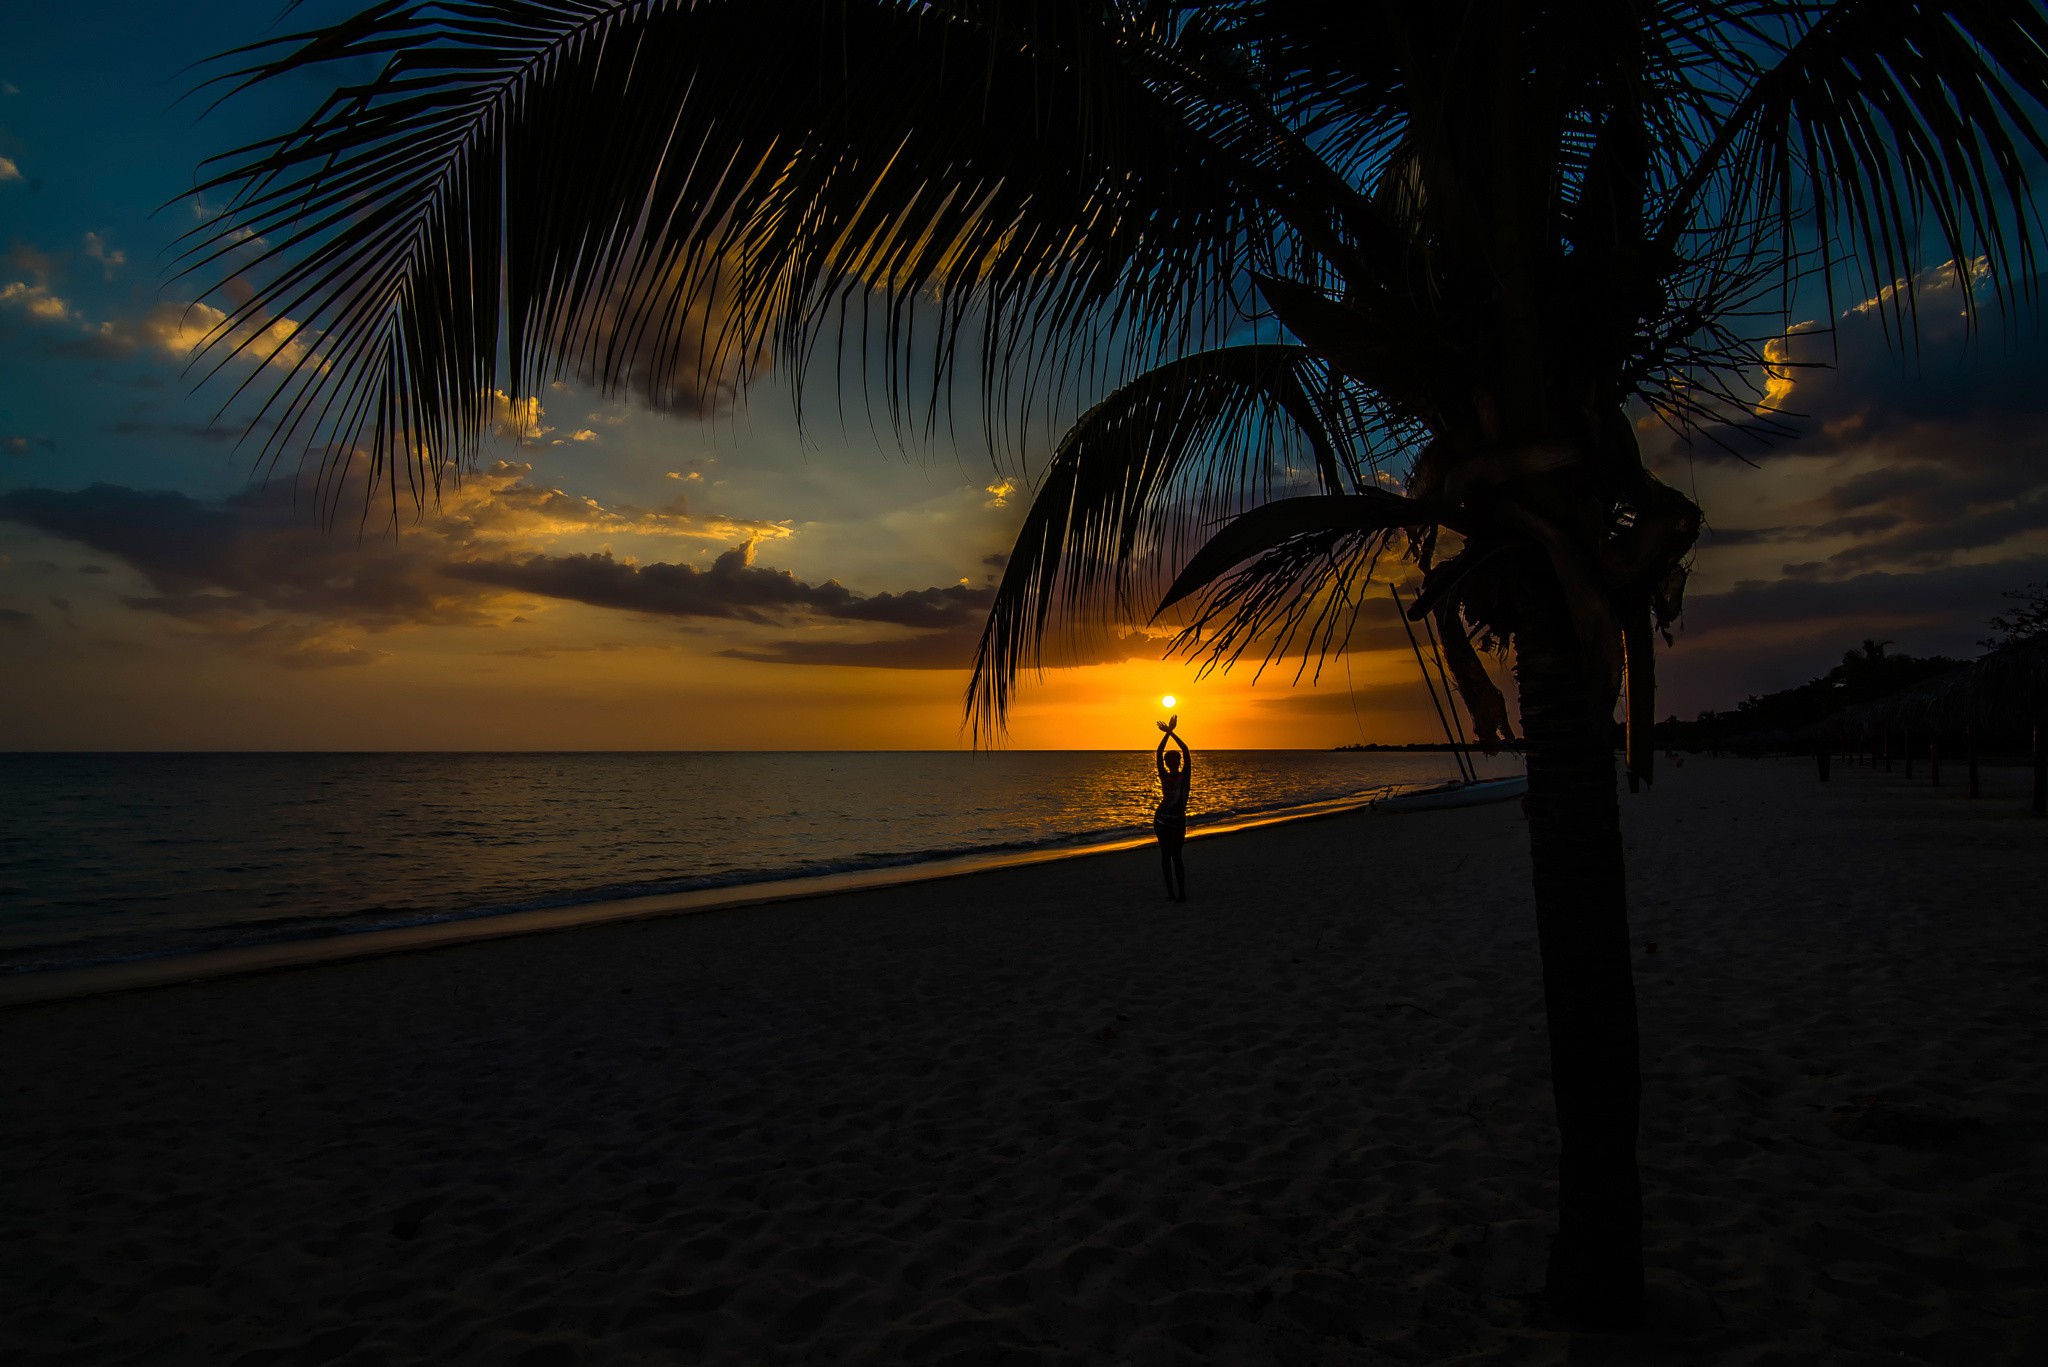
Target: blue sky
628, 577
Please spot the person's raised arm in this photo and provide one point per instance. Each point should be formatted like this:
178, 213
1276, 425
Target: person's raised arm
1187, 756
1159, 755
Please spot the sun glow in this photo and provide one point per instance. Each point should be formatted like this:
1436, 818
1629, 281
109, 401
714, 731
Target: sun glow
1168, 700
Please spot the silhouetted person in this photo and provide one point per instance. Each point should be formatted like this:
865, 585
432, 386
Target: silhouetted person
1170, 822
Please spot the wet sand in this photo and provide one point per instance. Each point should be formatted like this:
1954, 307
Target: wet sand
1041, 1115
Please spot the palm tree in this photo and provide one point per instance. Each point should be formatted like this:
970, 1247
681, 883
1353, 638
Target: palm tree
1402, 273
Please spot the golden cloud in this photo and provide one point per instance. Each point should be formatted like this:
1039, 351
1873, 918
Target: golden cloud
516, 419
501, 506
34, 300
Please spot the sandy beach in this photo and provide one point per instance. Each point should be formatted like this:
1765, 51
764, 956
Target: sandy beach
1043, 1116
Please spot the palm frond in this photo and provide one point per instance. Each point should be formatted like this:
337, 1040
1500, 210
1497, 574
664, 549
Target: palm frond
1140, 476
1270, 526
1294, 597
1879, 125
532, 185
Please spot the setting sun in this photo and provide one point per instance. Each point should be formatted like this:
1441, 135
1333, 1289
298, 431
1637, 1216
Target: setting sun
1167, 701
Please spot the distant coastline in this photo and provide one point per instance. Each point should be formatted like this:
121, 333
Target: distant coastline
1416, 747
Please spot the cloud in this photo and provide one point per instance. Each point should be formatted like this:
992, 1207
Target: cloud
110, 261
1910, 457
169, 329
258, 572
734, 587
8, 170
999, 494
36, 301
1958, 594
502, 505
261, 551
203, 431
230, 565
925, 609
180, 330
656, 341
516, 419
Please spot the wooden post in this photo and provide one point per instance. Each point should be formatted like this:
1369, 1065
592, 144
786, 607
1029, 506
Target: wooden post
1970, 745
2040, 803
1825, 758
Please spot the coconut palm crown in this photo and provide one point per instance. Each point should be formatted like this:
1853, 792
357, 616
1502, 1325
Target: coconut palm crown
1393, 273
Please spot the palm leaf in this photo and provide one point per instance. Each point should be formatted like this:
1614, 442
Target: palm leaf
1886, 122
1293, 596
1175, 450
1271, 525
529, 186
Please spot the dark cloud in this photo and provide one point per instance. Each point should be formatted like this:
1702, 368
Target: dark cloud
656, 345
927, 609
1879, 486
253, 552
1938, 389
259, 569
1937, 541
146, 427
1858, 524
734, 587
1741, 536
1912, 455
1960, 596
15, 617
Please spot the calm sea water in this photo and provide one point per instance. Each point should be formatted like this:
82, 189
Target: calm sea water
108, 857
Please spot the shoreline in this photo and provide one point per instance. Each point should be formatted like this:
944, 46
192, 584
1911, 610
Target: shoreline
36, 986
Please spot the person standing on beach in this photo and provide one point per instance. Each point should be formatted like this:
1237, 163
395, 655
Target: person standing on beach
1170, 821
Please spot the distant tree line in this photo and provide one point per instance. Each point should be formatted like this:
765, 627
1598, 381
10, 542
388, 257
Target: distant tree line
1864, 675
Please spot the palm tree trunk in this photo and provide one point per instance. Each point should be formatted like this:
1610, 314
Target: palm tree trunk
1596, 1265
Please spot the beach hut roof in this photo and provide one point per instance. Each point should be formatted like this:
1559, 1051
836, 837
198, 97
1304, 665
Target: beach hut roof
2007, 686
2012, 681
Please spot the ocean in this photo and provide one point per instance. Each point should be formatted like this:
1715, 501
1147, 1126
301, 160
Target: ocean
116, 857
